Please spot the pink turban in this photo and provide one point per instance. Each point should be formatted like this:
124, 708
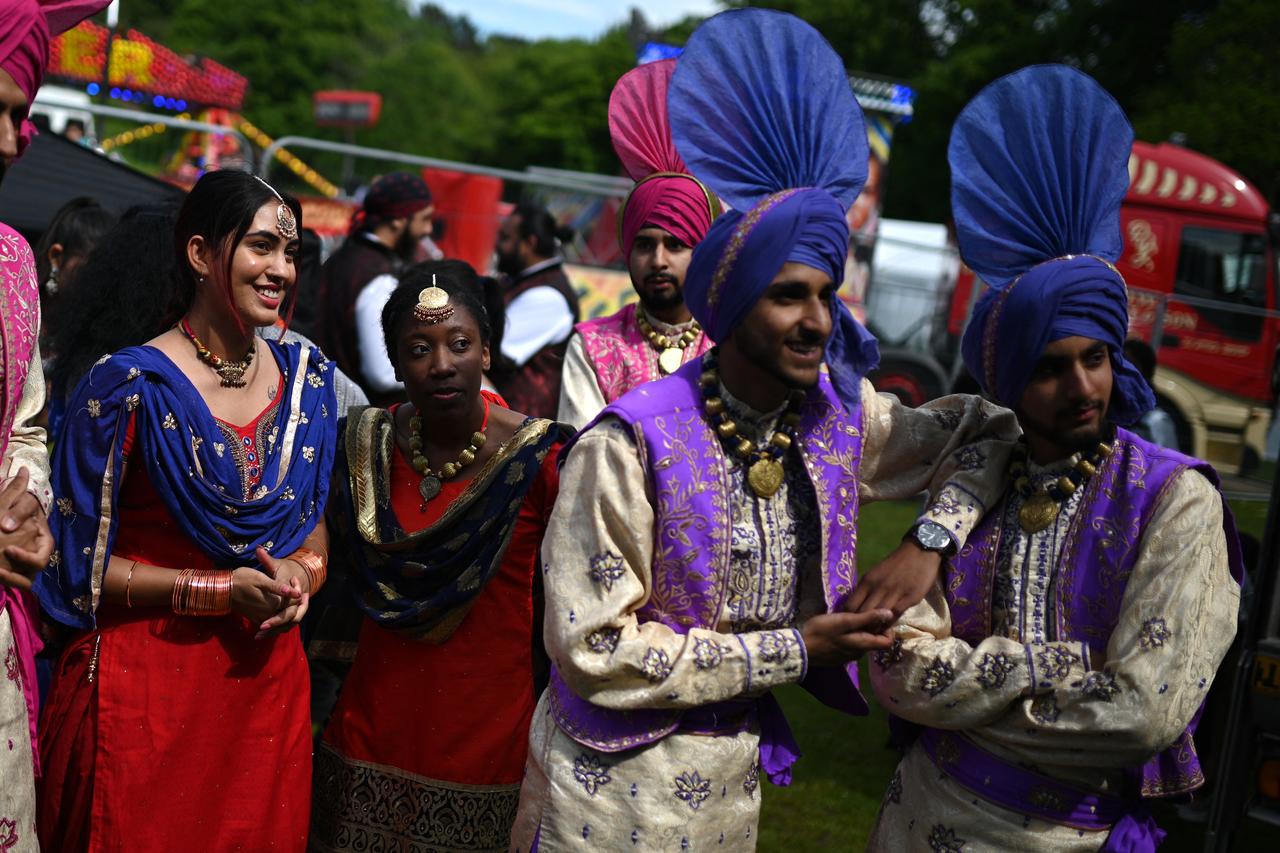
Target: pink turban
666, 195
25, 29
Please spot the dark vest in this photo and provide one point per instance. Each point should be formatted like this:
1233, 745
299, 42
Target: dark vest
358, 261
534, 387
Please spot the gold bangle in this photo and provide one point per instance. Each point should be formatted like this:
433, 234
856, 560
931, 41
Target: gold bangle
314, 566
128, 585
202, 593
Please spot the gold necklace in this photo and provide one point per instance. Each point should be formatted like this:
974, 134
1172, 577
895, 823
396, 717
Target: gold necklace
764, 466
432, 481
1041, 506
670, 351
230, 373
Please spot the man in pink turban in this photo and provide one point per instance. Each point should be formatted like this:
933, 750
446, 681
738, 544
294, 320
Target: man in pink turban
26, 27
664, 217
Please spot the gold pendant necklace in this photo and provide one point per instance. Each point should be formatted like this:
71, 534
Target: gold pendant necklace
230, 373
1041, 507
670, 352
433, 481
765, 473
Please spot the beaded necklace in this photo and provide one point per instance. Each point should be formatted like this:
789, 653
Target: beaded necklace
433, 480
230, 373
1041, 506
764, 465
670, 350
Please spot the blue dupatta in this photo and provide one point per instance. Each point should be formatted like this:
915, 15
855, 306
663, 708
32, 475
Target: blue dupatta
195, 474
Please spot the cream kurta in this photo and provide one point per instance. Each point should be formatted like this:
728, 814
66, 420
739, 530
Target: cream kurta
687, 791
26, 448
580, 396
1084, 720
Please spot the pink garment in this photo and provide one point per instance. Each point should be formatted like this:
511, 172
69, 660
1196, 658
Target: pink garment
666, 195
26, 26
19, 318
620, 355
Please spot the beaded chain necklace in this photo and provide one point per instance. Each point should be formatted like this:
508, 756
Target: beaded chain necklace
1041, 506
764, 465
670, 350
230, 373
433, 480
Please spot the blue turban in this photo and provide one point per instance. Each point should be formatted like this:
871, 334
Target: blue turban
1039, 168
762, 112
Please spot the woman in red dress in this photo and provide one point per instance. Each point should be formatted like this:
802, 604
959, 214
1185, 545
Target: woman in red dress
440, 505
190, 485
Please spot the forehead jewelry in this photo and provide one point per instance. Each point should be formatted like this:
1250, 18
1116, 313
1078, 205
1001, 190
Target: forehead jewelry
433, 305
286, 223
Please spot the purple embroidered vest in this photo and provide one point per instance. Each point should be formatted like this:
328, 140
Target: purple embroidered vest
621, 357
689, 476
1093, 569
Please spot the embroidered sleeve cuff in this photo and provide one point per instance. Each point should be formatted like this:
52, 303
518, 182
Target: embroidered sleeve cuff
956, 509
773, 658
1056, 665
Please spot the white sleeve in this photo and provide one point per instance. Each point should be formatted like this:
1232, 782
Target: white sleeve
374, 363
535, 319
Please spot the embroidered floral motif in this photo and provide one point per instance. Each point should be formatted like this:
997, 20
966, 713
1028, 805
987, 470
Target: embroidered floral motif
81, 603
132, 402
656, 666
196, 443
943, 839
937, 677
315, 380
219, 448
170, 422
324, 410
287, 494
1046, 798
894, 794
1055, 662
56, 559
603, 641
606, 568
8, 834
1153, 634
775, 646
707, 654
993, 669
948, 419
752, 780
94, 407
590, 773
1100, 685
1044, 710
947, 503
309, 454
65, 506
886, 658
970, 458
11, 670
692, 788
515, 473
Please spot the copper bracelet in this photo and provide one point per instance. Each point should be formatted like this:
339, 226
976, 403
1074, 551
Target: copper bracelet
313, 564
202, 593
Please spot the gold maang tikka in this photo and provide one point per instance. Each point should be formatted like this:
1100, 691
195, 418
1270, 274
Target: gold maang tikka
433, 305
286, 222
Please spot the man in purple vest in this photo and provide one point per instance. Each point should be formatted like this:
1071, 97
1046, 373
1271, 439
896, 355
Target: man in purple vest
1053, 677
702, 549
665, 215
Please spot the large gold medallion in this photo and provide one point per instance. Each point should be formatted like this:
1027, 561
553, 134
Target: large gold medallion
669, 360
429, 487
765, 477
1038, 512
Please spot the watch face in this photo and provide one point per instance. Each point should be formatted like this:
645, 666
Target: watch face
933, 536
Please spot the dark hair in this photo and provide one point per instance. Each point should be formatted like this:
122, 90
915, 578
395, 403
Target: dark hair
1143, 357
537, 222
220, 208
77, 226
122, 294
454, 277
495, 304
303, 299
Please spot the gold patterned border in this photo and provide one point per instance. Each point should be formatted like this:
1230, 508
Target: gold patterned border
739, 239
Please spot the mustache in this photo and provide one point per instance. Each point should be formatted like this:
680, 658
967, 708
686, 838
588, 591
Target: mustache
655, 277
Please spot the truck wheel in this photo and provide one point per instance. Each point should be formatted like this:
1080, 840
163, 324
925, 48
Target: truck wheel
910, 383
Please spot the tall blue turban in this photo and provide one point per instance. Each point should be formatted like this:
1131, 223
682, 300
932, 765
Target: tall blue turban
1039, 167
762, 113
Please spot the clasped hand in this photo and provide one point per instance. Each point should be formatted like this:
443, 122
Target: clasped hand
26, 543
276, 600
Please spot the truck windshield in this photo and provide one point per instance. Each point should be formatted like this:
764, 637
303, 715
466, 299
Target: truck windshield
1229, 266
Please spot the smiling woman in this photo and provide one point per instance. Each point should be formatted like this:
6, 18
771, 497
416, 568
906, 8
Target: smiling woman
191, 481
441, 505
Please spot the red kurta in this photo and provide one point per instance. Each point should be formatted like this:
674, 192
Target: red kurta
185, 733
431, 739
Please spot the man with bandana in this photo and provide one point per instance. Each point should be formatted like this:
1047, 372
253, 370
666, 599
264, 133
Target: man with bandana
26, 544
359, 277
703, 547
1050, 683
663, 218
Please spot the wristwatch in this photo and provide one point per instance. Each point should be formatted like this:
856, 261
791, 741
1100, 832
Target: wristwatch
932, 536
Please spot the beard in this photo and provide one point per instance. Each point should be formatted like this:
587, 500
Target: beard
660, 300
406, 247
509, 264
